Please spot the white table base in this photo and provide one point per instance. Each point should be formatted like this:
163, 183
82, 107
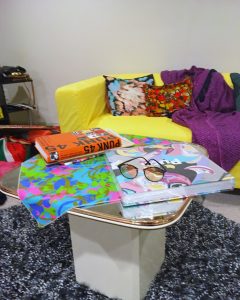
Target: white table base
115, 260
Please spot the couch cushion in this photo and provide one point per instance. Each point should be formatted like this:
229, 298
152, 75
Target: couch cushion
165, 100
235, 171
162, 127
125, 97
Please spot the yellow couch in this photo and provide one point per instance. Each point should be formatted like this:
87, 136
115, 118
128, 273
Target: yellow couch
82, 105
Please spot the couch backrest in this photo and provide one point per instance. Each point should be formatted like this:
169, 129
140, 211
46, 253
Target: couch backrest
78, 104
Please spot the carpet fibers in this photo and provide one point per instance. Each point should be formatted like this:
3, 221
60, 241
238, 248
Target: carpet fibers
202, 259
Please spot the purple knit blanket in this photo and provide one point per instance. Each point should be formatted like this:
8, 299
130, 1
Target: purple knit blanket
211, 115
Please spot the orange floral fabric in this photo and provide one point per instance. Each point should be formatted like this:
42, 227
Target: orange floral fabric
165, 100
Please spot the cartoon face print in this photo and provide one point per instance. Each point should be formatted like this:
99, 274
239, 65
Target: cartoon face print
200, 169
91, 135
54, 156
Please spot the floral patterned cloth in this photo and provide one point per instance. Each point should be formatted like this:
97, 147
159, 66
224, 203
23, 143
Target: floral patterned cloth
125, 97
165, 100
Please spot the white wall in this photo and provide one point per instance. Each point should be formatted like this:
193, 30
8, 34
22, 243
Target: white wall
62, 41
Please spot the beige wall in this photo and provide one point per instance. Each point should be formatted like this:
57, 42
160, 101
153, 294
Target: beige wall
61, 41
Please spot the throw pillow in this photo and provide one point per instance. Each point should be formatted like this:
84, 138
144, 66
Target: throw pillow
165, 100
236, 86
125, 97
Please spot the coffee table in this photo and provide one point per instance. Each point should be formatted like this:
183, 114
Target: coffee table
117, 256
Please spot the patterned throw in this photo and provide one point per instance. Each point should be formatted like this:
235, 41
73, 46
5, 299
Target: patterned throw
50, 191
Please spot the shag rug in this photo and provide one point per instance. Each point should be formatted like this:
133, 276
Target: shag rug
202, 259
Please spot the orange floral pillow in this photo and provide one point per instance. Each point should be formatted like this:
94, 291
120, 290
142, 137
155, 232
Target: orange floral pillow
165, 100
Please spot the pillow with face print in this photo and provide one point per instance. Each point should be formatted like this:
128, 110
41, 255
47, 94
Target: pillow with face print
125, 97
165, 100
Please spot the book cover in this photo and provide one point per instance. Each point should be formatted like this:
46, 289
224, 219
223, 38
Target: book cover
63, 146
188, 173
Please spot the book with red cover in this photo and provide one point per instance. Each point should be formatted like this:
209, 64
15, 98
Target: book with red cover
70, 145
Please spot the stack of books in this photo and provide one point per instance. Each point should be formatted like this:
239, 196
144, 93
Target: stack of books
181, 171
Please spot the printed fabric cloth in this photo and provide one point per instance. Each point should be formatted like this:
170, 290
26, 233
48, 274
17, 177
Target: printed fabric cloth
211, 115
50, 191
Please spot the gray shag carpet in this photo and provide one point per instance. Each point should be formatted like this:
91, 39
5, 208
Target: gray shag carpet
202, 259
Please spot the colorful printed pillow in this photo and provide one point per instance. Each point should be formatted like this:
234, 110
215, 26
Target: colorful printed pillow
125, 97
165, 100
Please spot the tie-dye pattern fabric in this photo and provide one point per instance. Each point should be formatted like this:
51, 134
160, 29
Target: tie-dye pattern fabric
50, 191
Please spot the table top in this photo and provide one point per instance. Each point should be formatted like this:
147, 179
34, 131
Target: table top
108, 213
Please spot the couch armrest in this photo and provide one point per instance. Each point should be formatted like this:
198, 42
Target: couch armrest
228, 79
78, 104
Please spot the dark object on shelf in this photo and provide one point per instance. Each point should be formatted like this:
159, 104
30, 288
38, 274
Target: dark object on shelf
10, 74
18, 109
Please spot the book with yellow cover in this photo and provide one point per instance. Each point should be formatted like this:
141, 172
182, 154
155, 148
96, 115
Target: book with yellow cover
71, 145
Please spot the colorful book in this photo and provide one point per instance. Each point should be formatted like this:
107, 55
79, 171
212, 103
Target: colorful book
188, 172
70, 145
